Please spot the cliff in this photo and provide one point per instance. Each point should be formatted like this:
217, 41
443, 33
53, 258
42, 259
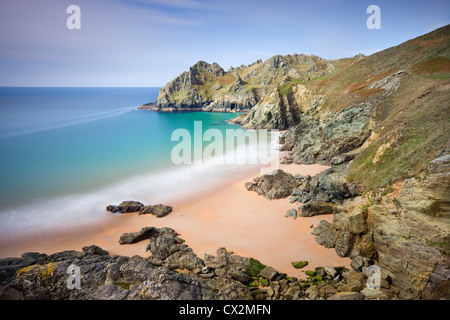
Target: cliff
207, 87
382, 122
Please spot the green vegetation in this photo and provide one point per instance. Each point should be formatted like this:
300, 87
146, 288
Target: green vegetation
443, 245
284, 89
312, 279
299, 264
412, 123
254, 267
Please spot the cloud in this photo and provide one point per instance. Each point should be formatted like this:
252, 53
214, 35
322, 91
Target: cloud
185, 4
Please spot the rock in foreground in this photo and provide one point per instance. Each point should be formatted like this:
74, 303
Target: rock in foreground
158, 210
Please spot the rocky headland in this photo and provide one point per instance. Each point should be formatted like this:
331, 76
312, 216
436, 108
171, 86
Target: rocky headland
381, 122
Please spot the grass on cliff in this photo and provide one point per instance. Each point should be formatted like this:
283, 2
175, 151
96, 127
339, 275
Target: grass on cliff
413, 126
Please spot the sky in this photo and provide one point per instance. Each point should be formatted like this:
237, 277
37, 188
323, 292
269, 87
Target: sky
150, 42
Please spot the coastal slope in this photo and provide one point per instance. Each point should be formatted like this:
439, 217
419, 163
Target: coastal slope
382, 122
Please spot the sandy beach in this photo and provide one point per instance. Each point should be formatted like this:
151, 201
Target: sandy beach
230, 217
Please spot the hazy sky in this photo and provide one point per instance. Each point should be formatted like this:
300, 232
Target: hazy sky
149, 42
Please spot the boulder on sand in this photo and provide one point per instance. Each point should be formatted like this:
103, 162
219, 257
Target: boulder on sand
158, 210
125, 207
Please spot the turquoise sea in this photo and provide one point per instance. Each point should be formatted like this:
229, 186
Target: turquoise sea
66, 153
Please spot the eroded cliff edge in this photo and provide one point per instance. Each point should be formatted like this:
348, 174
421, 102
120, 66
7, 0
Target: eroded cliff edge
381, 121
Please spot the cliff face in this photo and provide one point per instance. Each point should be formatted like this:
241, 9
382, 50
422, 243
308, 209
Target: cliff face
381, 121
207, 87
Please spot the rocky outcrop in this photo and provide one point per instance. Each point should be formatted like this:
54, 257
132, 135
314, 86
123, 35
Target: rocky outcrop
125, 207
273, 185
329, 138
158, 210
172, 272
110, 277
328, 186
206, 87
280, 109
405, 232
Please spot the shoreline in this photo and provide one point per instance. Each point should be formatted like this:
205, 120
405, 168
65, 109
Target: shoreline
227, 216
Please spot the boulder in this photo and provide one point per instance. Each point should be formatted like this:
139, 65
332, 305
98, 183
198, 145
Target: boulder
273, 185
315, 208
357, 221
133, 237
326, 234
130, 206
112, 208
347, 296
95, 250
269, 273
291, 213
299, 264
158, 210
371, 294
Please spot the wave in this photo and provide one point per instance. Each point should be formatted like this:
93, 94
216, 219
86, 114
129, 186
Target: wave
173, 184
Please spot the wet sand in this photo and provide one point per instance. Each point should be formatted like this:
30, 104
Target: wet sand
230, 217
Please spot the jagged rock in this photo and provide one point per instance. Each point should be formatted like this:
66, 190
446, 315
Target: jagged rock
344, 243
347, 296
95, 250
315, 208
125, 207
329, 137
228, 265
357, 221
269, 273
273, 185
291, 213
371, 294
326, 234
112, 208
158, 210
133, 237
312, 292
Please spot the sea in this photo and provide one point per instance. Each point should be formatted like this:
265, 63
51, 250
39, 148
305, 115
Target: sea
67, 153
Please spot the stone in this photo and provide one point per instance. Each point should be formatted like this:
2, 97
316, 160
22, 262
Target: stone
312, 292
276, 184
315, 208
269, 273
112, 208
158, 210
351, 275
347, 296
328, 237
371, 294
291, 292
129, 206
293, 199
291, 213
358, 263
327, 291
330, 271
344, 243
353, 286
95, 250
299, 264
357, 221
133, 237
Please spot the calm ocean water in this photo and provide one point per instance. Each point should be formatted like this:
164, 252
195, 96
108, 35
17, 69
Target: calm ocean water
66, 153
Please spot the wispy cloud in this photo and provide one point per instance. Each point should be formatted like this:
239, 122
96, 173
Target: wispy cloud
185, 4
